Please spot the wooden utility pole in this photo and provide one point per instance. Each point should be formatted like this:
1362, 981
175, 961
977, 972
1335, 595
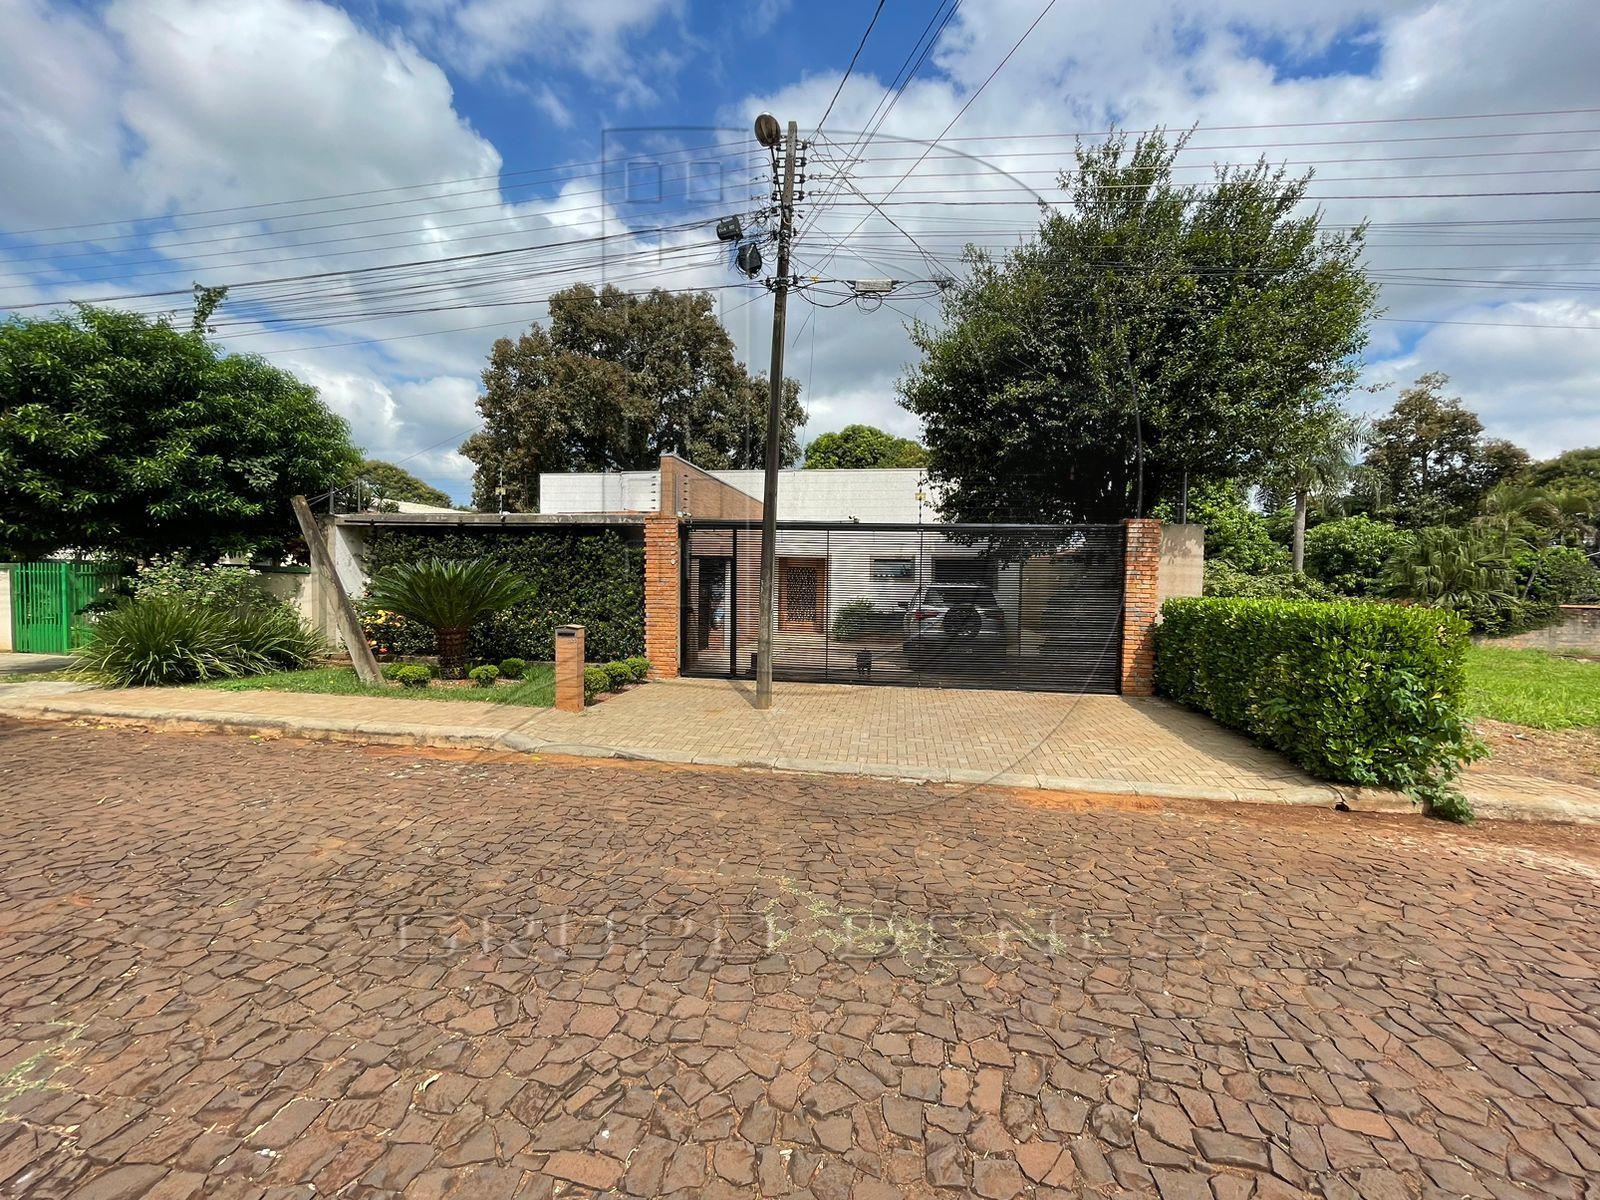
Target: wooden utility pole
350, 631
769, 492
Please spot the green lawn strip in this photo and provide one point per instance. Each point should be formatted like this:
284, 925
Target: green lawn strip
537, 690
1530, 687
37, 676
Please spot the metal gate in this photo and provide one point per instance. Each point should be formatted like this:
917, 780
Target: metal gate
1037, 607
48, 600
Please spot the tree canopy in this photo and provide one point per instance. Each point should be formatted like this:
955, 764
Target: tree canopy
864, 446
617, 380
385, 481
1428, 462
1201, 321
122, 434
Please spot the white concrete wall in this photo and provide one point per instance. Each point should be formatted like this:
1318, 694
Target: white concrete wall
600, 492
5, 609
892, 494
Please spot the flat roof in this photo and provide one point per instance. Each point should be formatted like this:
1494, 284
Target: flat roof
489, 520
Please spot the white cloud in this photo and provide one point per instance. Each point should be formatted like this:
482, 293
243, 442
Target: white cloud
594, 36
1089, 65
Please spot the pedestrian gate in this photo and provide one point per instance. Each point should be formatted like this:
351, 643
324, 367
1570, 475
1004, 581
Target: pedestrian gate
1037, 607
48, 600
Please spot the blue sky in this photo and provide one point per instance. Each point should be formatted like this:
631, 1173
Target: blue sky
146, 144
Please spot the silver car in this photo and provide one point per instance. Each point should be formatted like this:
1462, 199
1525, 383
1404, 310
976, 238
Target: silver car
947, 622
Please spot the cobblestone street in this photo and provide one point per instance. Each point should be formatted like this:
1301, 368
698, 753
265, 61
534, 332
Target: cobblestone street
242, 967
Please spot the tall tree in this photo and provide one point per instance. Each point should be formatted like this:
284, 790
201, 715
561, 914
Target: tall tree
615, 381
1152, 331
384, 481
1312, 463
1428, 462
864, 446
123, 434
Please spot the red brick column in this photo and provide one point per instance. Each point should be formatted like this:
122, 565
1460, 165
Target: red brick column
1141, 605
662, 577
569, 668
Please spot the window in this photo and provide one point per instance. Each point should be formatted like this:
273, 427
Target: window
893, 568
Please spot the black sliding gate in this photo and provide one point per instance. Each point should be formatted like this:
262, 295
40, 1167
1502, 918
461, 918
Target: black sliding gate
986, 606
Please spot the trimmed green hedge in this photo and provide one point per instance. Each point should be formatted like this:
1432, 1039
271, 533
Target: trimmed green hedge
591, 579
1368, 694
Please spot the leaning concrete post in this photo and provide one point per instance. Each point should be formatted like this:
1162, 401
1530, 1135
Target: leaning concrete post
569, 668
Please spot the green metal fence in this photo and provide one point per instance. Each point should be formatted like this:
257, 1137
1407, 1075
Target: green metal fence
48, 600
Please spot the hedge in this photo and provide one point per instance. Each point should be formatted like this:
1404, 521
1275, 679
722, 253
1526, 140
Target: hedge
1368, 694
591, 579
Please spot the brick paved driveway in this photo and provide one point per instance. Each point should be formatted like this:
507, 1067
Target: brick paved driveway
239, 968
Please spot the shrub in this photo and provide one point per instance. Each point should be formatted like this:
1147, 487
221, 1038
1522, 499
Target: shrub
1349, 554
1369, 694
484, 676
591, 579
595, 681
390, 633
169, 639
1224, 579
391, 671
413, 676
858, 619
212, 586
1557, 575
640, 667
513, 668
618, 675
1467, 571
448, 596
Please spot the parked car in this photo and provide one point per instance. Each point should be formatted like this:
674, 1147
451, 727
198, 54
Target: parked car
947, 623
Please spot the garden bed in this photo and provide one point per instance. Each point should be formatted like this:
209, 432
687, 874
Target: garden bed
537, 689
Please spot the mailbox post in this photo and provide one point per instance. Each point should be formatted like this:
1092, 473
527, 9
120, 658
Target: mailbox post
569, 668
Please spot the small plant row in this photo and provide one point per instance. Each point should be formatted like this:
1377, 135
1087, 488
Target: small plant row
420, 675
613, 677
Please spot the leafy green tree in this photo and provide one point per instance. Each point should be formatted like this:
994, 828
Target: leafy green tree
1573, 470
1428, 462
1349, 554
1235, 533
384, 481
124, 435
1195, 322
616, 381
864, 446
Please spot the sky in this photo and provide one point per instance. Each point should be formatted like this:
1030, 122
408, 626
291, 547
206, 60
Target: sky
389, 187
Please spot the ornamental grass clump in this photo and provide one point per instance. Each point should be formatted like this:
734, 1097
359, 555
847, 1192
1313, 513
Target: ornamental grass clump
169, 639
448, 595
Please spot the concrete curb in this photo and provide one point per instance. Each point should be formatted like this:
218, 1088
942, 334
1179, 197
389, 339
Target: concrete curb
59, 703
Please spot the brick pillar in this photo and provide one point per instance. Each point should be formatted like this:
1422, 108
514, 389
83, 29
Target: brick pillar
1141, 605
662, 603
569, 668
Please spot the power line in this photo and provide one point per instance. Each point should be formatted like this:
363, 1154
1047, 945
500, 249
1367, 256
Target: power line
876, 13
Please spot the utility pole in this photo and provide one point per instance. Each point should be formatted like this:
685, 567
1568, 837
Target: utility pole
767, 127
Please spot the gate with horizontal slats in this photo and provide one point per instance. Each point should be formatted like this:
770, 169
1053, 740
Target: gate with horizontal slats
1036, 607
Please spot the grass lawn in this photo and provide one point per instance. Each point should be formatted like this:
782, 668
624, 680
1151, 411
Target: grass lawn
538, 689
1530, 687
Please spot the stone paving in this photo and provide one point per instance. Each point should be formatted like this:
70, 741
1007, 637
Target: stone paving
244, 967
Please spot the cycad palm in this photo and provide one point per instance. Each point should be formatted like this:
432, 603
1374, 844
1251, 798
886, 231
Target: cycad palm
448, 595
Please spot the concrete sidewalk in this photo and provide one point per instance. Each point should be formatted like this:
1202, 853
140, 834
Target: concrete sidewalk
1017, 739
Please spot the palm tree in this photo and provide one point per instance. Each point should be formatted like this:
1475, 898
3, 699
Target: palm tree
448, 596
1461, 569
1315, 462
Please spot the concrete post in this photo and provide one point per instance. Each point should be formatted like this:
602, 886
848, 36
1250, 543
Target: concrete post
1141, 606
569, 668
